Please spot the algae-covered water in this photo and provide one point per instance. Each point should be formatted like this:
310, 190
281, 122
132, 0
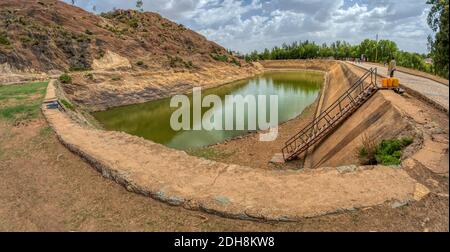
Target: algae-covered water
151, 120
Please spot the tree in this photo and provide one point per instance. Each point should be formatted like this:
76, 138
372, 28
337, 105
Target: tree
438, 22
73, 2
139, 5
344, 50
94, 8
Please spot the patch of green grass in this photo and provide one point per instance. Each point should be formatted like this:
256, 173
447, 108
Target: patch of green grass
21, 102
20, 91
388, 152
116, 78
89, 76
4, 39
236, 62
220, 57
65, 78
67, 104
45, 131
20, 112
78, 68
209, 153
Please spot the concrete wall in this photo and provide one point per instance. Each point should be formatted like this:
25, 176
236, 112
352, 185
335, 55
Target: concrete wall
377, 119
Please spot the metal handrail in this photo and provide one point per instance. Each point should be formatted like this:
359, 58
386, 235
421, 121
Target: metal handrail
313, 134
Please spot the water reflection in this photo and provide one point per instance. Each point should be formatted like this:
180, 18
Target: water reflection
295, 90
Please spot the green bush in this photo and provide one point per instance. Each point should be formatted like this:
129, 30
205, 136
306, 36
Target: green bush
368, 150
220, 57
4, 40
116, 78
134, 23
388, 152
88, 32
236, 62
78, 68
89, 76
65, 78
67, 104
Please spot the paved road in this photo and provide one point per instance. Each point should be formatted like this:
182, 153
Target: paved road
435, 91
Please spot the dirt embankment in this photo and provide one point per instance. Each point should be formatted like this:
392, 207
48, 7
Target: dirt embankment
116, 58
102, 89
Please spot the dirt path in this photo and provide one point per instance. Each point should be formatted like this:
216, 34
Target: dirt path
433, 90
44, 187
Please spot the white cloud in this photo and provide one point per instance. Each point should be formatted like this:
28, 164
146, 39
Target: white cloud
256, 24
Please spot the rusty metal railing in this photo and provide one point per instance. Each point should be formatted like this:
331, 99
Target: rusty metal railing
332, 117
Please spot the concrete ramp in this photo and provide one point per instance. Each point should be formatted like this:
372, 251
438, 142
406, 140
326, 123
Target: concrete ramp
377, 119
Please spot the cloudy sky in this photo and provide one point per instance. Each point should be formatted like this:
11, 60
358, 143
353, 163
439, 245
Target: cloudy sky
256, 24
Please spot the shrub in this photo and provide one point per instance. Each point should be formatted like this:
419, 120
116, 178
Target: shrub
116, 78
100, 54
4, 40
388, 152
67, 104
175, 61
189, 64
78, 68
367, 151
220, 57
236, 62
65, 78
89, 76
88, 32
134, 23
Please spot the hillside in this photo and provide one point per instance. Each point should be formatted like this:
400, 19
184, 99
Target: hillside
116, 58
45, 35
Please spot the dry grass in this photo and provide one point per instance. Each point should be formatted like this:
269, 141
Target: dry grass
368, 150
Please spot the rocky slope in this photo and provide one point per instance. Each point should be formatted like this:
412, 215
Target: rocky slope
108, 54
45, 35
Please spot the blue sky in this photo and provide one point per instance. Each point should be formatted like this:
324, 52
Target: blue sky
257, 24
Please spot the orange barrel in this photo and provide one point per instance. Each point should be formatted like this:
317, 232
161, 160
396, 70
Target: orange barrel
385, 83
395, 82
389, 82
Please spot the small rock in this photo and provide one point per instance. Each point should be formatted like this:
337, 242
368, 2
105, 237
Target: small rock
433, 182
223, 200
398, 204
277, 159
409, 163
347, 169
420, 192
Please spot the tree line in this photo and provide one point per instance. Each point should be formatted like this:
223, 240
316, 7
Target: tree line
438, 46
376, 51
382, 51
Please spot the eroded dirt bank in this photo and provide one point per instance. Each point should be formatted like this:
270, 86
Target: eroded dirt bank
103, 89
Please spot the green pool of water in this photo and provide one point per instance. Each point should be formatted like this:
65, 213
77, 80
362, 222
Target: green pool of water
295, 90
